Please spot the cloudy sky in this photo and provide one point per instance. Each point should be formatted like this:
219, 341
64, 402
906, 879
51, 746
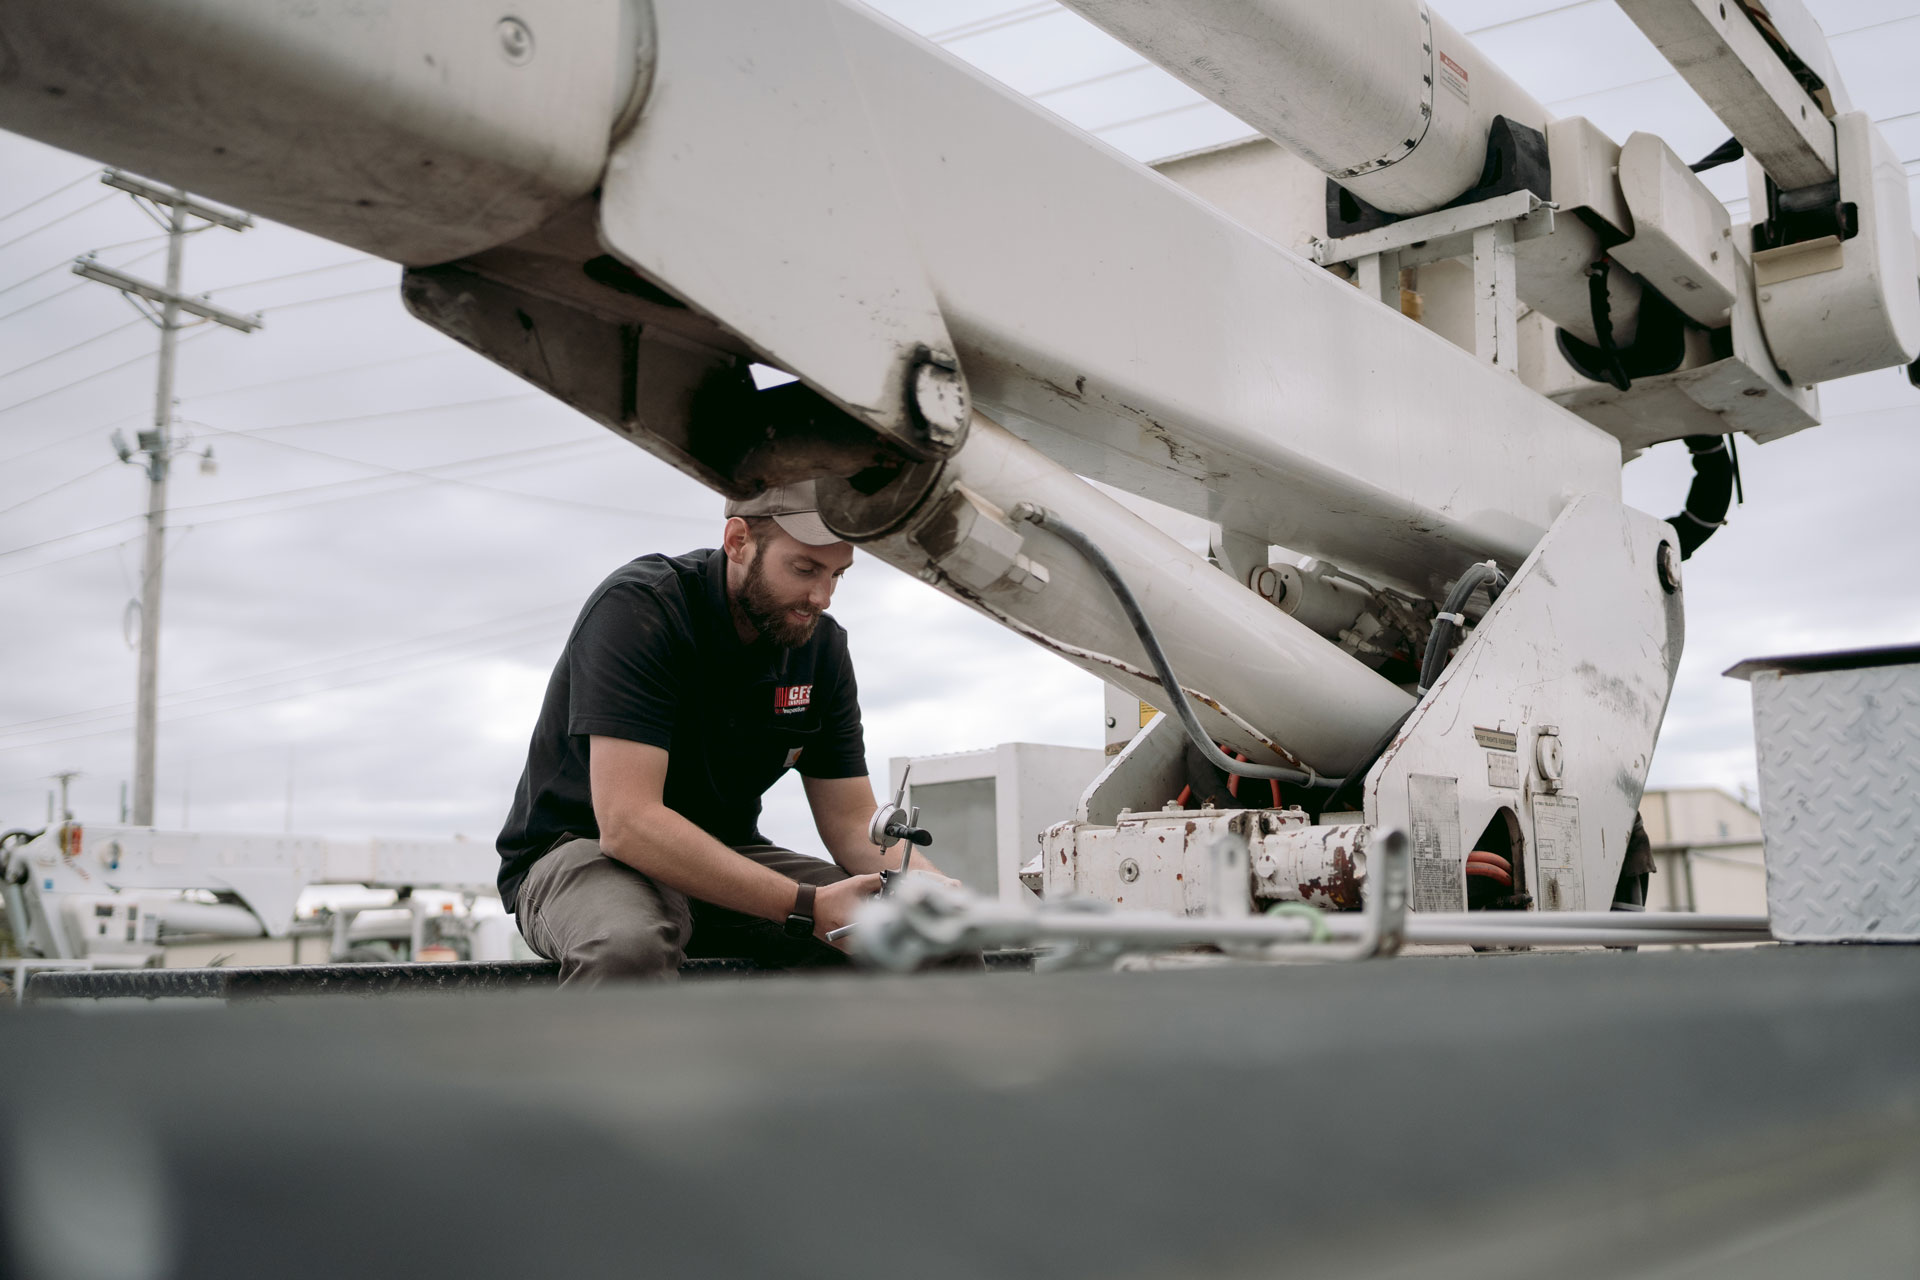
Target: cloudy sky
363, 601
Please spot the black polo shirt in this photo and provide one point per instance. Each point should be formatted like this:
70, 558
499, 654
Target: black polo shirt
654, 657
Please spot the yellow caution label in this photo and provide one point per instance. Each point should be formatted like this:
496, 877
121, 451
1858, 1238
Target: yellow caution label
1147, 712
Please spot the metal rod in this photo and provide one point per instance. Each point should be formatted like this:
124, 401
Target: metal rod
941, 923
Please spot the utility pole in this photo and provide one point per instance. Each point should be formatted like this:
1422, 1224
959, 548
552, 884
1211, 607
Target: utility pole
63, 778
162, 305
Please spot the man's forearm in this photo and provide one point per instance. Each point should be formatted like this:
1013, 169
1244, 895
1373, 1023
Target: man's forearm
668, 848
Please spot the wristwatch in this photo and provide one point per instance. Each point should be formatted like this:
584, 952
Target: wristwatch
800, 919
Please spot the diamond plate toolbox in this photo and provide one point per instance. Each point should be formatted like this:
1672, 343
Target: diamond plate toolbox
1839, 753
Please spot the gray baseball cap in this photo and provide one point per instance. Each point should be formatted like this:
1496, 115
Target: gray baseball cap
794, 508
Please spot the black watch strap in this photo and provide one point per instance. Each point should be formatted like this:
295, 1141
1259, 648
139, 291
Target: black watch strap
800, 919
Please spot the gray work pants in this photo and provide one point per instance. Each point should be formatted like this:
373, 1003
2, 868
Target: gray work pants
603, 920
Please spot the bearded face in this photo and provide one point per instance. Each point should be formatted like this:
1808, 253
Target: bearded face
784, 618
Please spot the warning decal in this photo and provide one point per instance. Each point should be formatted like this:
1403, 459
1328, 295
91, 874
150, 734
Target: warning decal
1453, 76
1556, 839
1439, 877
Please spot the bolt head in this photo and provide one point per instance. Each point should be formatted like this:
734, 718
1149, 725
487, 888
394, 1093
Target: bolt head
940, 399
1667, 562
1129, 871
516, 41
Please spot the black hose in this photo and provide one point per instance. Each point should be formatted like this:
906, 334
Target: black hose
1435, 659
1726, 153
1448, 620
1137, 619
1710, 494
1601, 305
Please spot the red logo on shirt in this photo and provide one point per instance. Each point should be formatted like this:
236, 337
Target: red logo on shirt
791, 699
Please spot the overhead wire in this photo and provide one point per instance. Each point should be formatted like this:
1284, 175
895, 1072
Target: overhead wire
297, 275
64, 484
71, 213
40, 200
372, 415
304, 489
98, 337
493, 651
390, 290
228, 502
486, 635
66, 263
298, 670
329, 373
1152, 115
72, 288
994, 22
572, 504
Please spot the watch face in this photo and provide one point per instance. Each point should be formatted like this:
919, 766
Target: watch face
799, 926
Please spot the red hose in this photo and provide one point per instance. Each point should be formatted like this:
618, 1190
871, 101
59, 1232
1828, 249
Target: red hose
1491, 866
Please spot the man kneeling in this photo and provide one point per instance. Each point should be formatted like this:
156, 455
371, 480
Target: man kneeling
688, 686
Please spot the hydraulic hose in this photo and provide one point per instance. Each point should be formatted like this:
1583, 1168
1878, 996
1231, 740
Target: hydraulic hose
1714, 473
1136, 618
1449, 619
1434, 661
1601, 306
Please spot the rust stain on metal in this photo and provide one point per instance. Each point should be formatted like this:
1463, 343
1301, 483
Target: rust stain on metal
1339, 888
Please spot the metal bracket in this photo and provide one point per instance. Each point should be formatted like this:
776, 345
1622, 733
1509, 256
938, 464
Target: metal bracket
1485, 231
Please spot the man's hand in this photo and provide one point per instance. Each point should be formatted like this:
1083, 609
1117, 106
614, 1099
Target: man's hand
834, 905
842, 807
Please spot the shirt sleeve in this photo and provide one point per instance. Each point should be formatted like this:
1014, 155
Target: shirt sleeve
622, 668
841, 749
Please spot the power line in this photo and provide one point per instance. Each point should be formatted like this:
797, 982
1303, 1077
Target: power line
64, 484
572, 504
390, 413
281, 493
1529, 17
64, 263
349, 684
75, 287
327, 373
95, 376
994, 22
98, 337
1152, 115
254, 386
286, 679
39, 200
300, 669
74, 213
387, 289
296, 275
78, 555
383, 668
